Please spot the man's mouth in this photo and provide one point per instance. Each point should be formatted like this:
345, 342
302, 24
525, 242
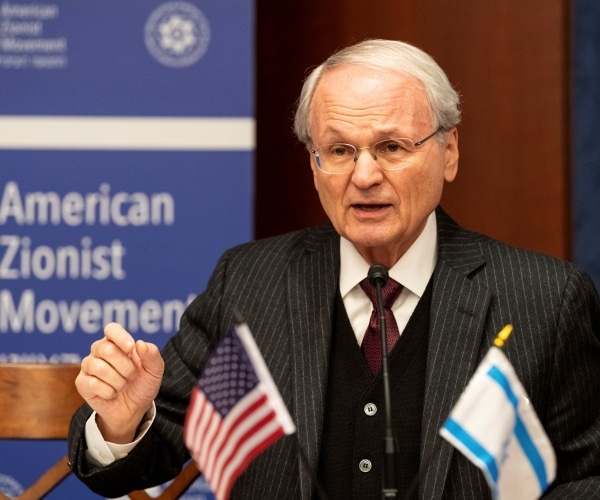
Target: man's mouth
369, 208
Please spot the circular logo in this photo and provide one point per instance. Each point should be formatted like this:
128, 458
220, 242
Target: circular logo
9, 486
177, 34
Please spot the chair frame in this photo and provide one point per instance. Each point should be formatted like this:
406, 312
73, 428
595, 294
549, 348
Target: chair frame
37, 401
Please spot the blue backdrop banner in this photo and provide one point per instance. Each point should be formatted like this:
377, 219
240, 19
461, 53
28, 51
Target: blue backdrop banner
586, 147
126, 168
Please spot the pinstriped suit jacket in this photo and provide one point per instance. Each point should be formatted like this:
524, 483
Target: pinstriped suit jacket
285, 288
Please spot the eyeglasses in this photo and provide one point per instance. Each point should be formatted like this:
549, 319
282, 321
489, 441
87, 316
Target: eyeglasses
390, 154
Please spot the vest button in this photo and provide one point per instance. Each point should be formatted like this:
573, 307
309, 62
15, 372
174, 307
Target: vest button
370, 409
365, 465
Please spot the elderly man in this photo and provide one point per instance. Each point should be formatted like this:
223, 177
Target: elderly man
379, 121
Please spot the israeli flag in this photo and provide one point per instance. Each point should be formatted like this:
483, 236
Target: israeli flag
495, 426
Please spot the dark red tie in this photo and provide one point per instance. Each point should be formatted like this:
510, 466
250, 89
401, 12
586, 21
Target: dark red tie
371, 344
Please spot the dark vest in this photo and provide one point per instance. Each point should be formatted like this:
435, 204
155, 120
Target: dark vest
350, 460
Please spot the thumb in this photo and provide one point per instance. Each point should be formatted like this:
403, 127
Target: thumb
149, 357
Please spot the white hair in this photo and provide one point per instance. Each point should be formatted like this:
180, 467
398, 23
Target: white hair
389, 55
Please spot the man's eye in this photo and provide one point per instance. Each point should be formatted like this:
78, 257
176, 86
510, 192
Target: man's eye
340, 150
390, 147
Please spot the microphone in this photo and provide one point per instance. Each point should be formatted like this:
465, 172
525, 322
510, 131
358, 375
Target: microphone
378, 276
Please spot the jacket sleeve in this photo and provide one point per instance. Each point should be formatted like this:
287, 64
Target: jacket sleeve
573, 416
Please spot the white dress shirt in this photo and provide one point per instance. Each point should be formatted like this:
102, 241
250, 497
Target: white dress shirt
412, 271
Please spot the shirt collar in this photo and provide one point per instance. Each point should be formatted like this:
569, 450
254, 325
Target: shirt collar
413, 270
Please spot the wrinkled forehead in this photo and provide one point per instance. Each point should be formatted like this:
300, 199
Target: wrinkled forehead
353, 93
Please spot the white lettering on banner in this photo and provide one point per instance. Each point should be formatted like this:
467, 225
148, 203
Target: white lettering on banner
22, 44
31, 45
18, 260
13, 62
48, 62
29, 11
39, 357
75, 209
47, 316
23, 28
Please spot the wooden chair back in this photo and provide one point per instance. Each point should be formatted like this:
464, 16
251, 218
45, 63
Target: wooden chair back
37, 402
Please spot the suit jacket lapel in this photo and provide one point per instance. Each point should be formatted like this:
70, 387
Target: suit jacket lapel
312, 282
459, 309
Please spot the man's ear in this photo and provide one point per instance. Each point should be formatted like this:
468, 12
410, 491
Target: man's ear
451, 161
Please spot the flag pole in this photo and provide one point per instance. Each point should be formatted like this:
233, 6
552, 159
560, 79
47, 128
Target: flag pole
503, 335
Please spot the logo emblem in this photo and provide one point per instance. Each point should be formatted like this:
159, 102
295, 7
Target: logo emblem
177, 34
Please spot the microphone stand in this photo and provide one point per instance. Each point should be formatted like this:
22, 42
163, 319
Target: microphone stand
378, 276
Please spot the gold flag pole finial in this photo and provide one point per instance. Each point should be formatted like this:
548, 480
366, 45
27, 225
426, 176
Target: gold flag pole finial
502, 337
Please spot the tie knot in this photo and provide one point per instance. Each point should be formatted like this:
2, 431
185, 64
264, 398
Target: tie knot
389, 293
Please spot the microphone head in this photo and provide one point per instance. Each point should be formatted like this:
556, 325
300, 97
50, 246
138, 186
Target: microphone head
378, 273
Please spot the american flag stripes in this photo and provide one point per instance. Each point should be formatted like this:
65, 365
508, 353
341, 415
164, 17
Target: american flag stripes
235, 411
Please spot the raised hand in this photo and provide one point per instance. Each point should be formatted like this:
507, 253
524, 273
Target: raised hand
119, 379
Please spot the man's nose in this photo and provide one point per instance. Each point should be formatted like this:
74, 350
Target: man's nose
366, 170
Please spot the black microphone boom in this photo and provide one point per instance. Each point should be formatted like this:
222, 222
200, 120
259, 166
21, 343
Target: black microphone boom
378, 273
378, 276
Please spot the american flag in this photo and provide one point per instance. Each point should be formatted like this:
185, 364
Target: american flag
235, 411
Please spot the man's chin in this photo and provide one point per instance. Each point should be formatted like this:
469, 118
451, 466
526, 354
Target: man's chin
369, 241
